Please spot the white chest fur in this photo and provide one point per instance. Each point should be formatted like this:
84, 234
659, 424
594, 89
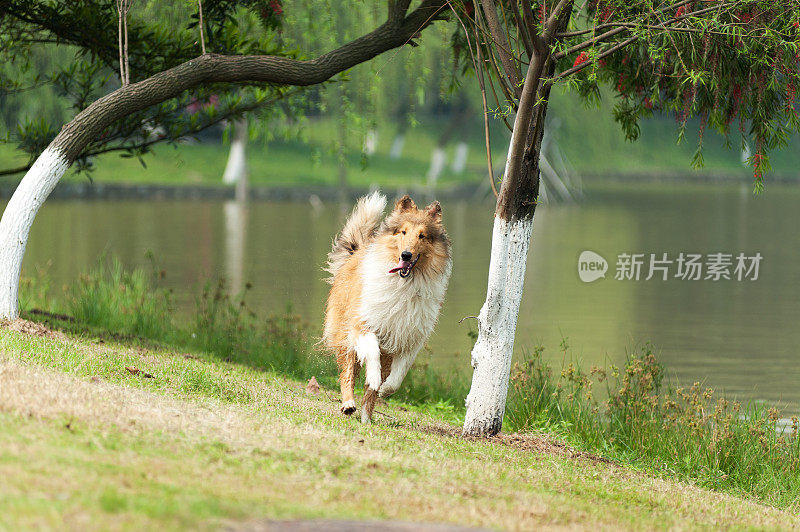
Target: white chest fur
401, 312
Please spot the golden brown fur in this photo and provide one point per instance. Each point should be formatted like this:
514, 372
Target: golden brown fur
368, 302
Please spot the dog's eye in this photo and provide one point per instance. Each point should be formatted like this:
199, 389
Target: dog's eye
421, 236
404, 232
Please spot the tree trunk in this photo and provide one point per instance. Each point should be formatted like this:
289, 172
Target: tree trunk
491, 355
397, 146
18, 219
438, 162
73, 138
236, 167
513, 225
460, 158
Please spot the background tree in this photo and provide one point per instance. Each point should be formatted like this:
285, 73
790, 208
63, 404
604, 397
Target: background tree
124, 112
727, 62
73, 50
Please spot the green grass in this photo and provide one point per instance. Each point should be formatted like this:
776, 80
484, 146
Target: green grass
286, 162
637, 419
84, 443
640, 419
128, 304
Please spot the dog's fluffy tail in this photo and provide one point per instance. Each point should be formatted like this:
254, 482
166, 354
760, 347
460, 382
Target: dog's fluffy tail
357, 232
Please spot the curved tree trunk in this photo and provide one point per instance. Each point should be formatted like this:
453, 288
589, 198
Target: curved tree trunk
18, 219
37, 184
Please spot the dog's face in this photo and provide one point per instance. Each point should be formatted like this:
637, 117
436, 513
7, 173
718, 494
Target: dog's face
414, 238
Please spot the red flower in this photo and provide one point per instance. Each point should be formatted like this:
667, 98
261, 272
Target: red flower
582, 58
681, 11
276, 7
796, 24
213, 100
647, 103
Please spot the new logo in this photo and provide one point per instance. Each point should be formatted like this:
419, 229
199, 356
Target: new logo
591, 266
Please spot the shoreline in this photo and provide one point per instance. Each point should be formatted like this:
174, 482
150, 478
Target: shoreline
468, 190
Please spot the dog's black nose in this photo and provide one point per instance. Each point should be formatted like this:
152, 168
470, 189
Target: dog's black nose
406, 255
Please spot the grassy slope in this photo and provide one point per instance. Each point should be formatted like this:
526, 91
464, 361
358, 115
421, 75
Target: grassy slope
207, 443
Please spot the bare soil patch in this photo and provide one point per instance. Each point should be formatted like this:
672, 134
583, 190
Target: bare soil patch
532, 442
32, 328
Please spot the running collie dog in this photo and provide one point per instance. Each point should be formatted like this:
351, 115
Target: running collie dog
389, 280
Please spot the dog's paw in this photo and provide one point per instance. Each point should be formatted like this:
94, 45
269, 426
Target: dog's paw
386, 390
348, 407
373, 379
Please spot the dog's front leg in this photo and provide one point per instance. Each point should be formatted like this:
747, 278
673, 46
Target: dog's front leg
348, 372
369, 354
371, 394
400, 367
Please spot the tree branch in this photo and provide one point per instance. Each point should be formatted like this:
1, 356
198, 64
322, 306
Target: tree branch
523, 30
510, 203
397, 10
623, 27
200, 25
18, 170
212, 68
530, 21
503, 48
478, 66
581, 66
551, 23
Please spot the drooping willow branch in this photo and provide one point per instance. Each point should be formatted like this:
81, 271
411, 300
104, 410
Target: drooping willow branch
123, 7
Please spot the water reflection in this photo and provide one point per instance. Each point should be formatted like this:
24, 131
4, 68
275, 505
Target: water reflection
739, 336
235, 237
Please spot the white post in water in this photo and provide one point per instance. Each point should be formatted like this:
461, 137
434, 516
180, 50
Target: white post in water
397, 147
438, 162
371, 142
460, 158
17, 220
236, 167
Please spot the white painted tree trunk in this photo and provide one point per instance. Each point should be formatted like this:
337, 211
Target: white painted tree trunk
460, 158
371, 142
236, 167
438, 162
397, 146
17, 220
491, 356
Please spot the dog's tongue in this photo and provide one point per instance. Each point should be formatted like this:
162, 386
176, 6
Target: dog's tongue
402, 265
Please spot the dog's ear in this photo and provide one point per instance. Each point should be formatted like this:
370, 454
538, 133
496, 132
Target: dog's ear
405, 204
434, 210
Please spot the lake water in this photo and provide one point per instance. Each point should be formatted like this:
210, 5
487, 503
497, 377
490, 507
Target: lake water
741, 337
